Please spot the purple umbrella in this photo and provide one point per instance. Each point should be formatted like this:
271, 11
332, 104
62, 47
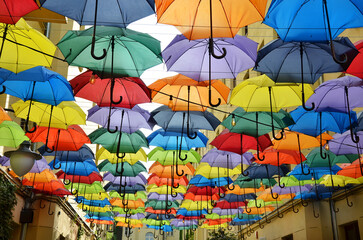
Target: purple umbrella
190, 57
5, 161
289, 190
129, 181
233, 211
343, 144
183, 223
134, 216
339, 95
164, 197
218, 158
132, 119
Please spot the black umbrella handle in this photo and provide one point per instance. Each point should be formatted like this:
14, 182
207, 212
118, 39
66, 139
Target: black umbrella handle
353, 136
345, 57
302, 81
258, 152
194, 136
109, 121
272, 118
94, 38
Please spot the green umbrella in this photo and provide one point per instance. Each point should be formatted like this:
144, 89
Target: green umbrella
292, 181
261, 203
169, 157
217, 216
132, 54
128, 169
129, 143
186, 227
161, 205
244, 122
84, 188
314, 158
129, 196
247, 216
11, 134
155, 222
130, 211
246, 182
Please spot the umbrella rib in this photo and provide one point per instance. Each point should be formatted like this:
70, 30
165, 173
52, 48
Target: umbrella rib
132, 58
195, 18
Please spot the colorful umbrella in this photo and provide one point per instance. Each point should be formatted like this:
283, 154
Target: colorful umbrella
355, 68
12, 11
11, 134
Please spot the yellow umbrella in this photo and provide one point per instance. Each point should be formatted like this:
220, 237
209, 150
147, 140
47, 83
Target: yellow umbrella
94, 208
267, 197
131, 158
164, 189
62, 116
94, 196
128, 220
338, 181
209, 172
191, 205
212, 227
24, 47
262, 94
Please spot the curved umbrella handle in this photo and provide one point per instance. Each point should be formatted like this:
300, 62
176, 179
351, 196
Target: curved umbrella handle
40, 204
302, 81
4, 90
27, 119
257, 206
229, 227
272, 118
295, 210
316, 214
49, 212
109, 121
111, 93
261, 226
211, 50
188, 118
94, 38
49, 124
177, 170
180, 146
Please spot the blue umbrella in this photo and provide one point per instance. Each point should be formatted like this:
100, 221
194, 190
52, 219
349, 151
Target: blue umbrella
176, 141
125, 189
261, 171
195, 213
76, 156
99, 218
316, 172
84, 168
308, 21
238, 198
165, 228
201, 181
39, 84
315, 123
97, 203
302, 61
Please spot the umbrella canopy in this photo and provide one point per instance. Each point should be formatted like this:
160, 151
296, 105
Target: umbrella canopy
71, 139
159, 205
169, 171
314, 158
4, 116
138, 51
252, 123
38, 50
90, 86
12, 11
239, 143
209, 172
353, 171
297, 141
262, 94
63, 115
80, 155
170, 157
333, 95
124, 169
174, 121
130, 120
288, 18
131, 158
163, 197
138, 179
180, 56
84, 168
194, 21
266, 171
343, 144
39, 84
11, 134
129, 143
155, 179
175, 140
355, 68
308, 122
218, 158
201, 181
93, 177
278, 157
281, 60
180, 87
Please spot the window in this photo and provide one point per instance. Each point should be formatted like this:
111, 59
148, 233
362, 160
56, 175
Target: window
288, 237
149, 236
351, 231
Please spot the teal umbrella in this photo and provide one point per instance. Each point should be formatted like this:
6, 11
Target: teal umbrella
240, 121
126, 169
129, 53
314, 159
119, 142
161, 205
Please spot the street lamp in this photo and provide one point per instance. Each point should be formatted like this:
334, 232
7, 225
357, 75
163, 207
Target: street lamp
22, 159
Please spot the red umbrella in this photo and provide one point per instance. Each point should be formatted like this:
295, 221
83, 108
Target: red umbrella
190, 218
93, 177
230, 205
54, 187
151, 210
12, 10
277, 157
353, 170
206, 190
356, 66
91, 87
197, 198
71, 139
231, 142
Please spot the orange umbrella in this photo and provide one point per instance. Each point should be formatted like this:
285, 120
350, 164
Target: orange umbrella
278, 157
54, 187
130, 204
241, 191
353, 170
44, 177
197, 198
175, 91
166, 171
155, 179
255, 210
193, 17
4, 116
123, 224
267, 197
219, 221
297, 141
151, 210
